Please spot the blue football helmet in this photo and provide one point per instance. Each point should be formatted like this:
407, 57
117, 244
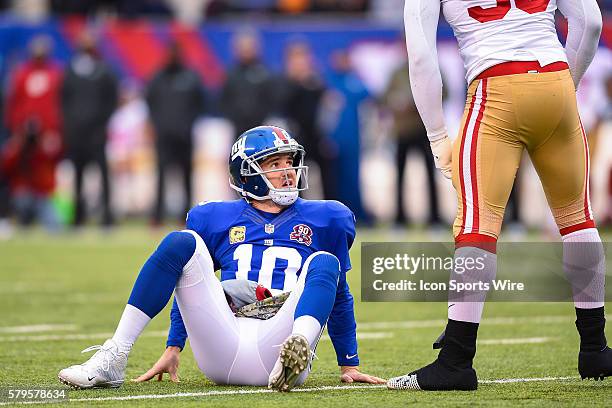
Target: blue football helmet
250, 180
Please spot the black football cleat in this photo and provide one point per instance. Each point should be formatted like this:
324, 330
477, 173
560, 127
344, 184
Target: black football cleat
436, 377
595, 364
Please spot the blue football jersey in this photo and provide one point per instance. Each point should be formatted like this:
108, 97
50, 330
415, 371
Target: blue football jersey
270, 249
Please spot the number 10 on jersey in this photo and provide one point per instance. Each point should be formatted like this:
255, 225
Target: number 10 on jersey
247, 261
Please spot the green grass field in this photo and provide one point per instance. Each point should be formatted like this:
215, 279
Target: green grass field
77, 285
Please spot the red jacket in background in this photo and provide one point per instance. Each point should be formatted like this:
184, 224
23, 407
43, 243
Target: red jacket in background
34, 93
30, 165
29, 161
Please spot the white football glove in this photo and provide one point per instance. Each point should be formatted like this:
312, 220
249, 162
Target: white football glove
443, 153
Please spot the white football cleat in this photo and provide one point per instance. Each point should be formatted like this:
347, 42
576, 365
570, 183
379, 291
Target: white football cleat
405, 382
104, 369
293, 359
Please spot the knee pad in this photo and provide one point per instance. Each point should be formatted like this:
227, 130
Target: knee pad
193, 275
177, 248
324, 264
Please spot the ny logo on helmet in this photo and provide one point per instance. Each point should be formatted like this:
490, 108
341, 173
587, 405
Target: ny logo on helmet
238, 148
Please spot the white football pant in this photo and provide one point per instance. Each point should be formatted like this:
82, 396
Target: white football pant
228, 349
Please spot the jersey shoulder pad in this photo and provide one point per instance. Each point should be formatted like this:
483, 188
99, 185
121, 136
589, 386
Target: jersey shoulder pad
212, 215
334, 212
338, 209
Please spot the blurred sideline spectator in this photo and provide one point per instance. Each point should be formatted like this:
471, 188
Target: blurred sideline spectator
339, 5
302, 106
600, 139
123, 8
387, 10
34, 90
411, 135
291, 7
130, 154
247, 98
513, 222
341, 110
175, 99
89, 97
32, 10
29, 159
188, 11
6, 229
30, 156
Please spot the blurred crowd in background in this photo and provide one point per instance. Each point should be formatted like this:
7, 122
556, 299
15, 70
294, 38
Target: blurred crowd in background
106, 119
196, 11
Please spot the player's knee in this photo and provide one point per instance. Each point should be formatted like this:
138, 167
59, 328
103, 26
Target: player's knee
177, 247
324, 265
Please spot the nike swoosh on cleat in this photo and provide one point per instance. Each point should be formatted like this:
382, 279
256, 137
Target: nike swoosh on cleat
349, 357
89, 379
449, 306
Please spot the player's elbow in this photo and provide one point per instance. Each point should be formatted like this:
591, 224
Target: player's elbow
593, 26
418, 59
591, 22
421, 65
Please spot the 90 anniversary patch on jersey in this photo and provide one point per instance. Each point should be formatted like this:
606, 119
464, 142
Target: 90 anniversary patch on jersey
301, 233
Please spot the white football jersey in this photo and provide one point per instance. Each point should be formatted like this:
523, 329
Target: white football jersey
490, 32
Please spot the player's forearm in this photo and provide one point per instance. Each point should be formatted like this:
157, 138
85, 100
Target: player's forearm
420, 23
584, 29
426, 85
342, 327
177, 335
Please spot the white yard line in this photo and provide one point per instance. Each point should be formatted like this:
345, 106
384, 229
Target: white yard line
267, 391
524, 380
389, 325
87, 336
366, 336
492, 321
37, 328
524, 340
159, 333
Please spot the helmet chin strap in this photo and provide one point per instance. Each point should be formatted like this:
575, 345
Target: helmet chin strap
283, 198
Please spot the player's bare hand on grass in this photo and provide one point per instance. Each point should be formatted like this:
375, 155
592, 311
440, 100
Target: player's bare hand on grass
167, 363
352, 374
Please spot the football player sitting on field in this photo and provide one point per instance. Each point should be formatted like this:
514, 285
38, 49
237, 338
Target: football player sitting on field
270, 242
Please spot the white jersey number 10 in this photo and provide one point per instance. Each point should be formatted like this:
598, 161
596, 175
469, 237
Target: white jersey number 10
244, 255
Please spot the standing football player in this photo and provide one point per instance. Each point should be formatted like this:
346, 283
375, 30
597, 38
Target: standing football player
271, 237
521, 96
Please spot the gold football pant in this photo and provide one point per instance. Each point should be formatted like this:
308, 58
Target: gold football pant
505, 115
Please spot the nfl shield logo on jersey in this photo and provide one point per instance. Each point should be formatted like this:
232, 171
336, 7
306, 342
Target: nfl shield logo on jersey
237, 234
302, 233
269, 228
